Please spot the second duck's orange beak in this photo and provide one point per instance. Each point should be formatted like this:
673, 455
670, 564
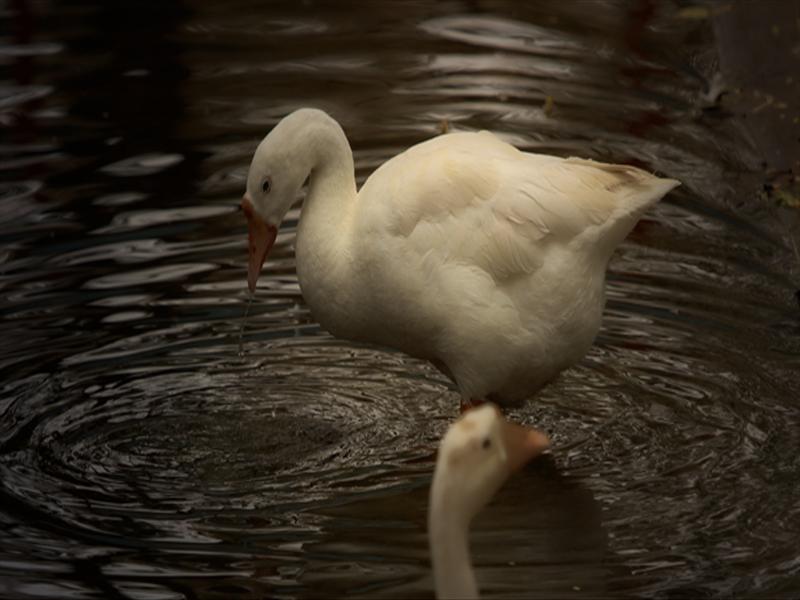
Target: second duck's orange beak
261, 237
522, 444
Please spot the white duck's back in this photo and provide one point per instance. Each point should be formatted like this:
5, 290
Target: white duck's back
538, 195
485, 259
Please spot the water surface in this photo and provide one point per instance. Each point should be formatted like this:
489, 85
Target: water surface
142, 455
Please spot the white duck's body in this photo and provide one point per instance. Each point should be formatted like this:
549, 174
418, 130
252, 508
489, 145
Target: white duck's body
463, 250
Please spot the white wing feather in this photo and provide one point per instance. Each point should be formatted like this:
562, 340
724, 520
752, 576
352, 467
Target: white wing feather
473, 200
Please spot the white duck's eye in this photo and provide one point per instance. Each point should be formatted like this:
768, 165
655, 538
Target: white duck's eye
487, 443
266, 186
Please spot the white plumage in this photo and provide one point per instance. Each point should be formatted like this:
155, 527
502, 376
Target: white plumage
463, 250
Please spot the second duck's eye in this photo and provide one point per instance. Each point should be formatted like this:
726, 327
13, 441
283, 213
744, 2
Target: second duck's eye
487, 443
266, 186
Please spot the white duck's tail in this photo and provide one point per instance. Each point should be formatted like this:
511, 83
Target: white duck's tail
622, 194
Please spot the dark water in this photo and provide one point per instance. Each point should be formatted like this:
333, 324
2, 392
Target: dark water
142, 457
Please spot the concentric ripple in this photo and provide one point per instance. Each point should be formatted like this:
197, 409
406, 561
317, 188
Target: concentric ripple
307, 422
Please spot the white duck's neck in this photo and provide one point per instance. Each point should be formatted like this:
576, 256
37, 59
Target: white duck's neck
332, 183
323, 234
331, 176
448, 534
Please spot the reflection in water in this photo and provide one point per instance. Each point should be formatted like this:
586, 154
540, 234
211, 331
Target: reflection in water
151, 446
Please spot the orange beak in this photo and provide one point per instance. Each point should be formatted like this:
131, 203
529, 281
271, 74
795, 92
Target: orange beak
522, 444
261, 237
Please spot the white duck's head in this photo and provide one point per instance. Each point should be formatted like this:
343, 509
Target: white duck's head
476, 455
304, 141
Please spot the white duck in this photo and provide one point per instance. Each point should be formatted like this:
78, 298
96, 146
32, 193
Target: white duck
476, 455
486, 260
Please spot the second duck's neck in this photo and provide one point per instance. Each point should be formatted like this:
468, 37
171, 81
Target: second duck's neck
448, 533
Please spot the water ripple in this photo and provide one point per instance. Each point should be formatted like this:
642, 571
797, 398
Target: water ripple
12, 96
507, 34
171, 272
144, 164
154, 445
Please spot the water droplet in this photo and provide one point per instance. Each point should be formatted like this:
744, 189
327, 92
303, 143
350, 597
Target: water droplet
240, 352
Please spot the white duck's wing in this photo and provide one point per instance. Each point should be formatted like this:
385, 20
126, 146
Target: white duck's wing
575, 200
471, 199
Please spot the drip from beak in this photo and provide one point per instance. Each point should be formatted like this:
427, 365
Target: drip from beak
261, 237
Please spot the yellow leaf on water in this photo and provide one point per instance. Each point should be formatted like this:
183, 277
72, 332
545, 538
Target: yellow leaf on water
703, 12
788, 198
694, 12
549, 103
